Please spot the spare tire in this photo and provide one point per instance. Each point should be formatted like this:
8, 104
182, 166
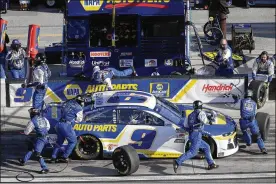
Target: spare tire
263, 120
125, 160
260, 92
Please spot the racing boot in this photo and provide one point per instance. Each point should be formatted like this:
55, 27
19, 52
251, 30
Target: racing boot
175, 166
63, 160
21, 162
44, 171
212, 166
264, 151
53, 160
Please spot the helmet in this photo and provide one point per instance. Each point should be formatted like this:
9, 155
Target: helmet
80, 100
95, 69
33, 112
15, 44
40, 58
197, 104
249, 93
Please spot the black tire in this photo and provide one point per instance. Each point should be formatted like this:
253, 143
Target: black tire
213, 35
88, 147
259, 92
206, 26
208, 141
176, 73
263, 120
50, 3
125, 160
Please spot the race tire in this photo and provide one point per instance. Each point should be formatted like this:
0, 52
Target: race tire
208, 141
213, 35
259, 92
125, 160
206, 26
88, 147
175, 73
50, 3
263, 120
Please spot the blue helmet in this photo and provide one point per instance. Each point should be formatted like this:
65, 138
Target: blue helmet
16, 42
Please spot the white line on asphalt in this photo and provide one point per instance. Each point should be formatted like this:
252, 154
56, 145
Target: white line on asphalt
149, 178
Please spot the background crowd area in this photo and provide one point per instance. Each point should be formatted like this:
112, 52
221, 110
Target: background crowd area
60, 4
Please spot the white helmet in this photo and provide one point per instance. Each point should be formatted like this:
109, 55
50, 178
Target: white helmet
95, 69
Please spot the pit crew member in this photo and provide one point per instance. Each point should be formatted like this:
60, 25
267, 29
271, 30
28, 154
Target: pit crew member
196, 121
248, 110
224, 60
3, 56
105, 76
15, 59
71, 113
263, 65
41, 75
41, 125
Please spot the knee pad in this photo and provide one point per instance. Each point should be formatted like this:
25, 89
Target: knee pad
259, 136
37, 155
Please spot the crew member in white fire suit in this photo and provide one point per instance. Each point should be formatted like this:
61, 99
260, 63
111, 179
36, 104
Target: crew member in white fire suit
41, 75
15, 59
263, 65
105, 76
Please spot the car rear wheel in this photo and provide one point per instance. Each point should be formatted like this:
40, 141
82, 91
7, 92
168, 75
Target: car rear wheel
125, 160
88, 147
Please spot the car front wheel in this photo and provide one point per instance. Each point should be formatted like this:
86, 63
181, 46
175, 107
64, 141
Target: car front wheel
88, 147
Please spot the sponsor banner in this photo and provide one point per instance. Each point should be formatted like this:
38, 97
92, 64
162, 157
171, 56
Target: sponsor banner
126, 63
161, 89
76, 63
126, 54
150, 62
176, 90
168, 62
100, 54
100, 63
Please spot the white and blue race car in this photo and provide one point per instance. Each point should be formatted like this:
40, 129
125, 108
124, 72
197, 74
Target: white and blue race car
148, 123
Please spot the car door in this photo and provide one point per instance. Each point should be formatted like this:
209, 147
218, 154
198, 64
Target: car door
148, 133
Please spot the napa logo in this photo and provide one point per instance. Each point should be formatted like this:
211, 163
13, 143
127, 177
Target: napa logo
71, 91
91, 5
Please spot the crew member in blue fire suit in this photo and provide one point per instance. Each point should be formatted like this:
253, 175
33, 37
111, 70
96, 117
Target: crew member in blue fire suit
105, 76
15, 59
41, 74
71, 113
263, 65
224, 60
248, 110
41, 125
196, 121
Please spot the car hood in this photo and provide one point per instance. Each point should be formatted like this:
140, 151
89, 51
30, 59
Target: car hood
223, 125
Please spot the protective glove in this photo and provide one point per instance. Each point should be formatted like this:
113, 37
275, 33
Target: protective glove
23, 85
40, 86
266, 84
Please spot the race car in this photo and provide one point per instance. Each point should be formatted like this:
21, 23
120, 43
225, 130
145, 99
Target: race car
150, 124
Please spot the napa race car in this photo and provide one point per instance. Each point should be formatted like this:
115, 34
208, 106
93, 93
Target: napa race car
150, 124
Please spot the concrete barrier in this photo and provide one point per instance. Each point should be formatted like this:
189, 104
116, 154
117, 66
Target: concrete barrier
3, 93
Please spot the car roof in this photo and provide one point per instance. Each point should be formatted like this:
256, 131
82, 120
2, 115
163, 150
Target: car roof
125, 97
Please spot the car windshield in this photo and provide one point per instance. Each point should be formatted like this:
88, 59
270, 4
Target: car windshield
168, 110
